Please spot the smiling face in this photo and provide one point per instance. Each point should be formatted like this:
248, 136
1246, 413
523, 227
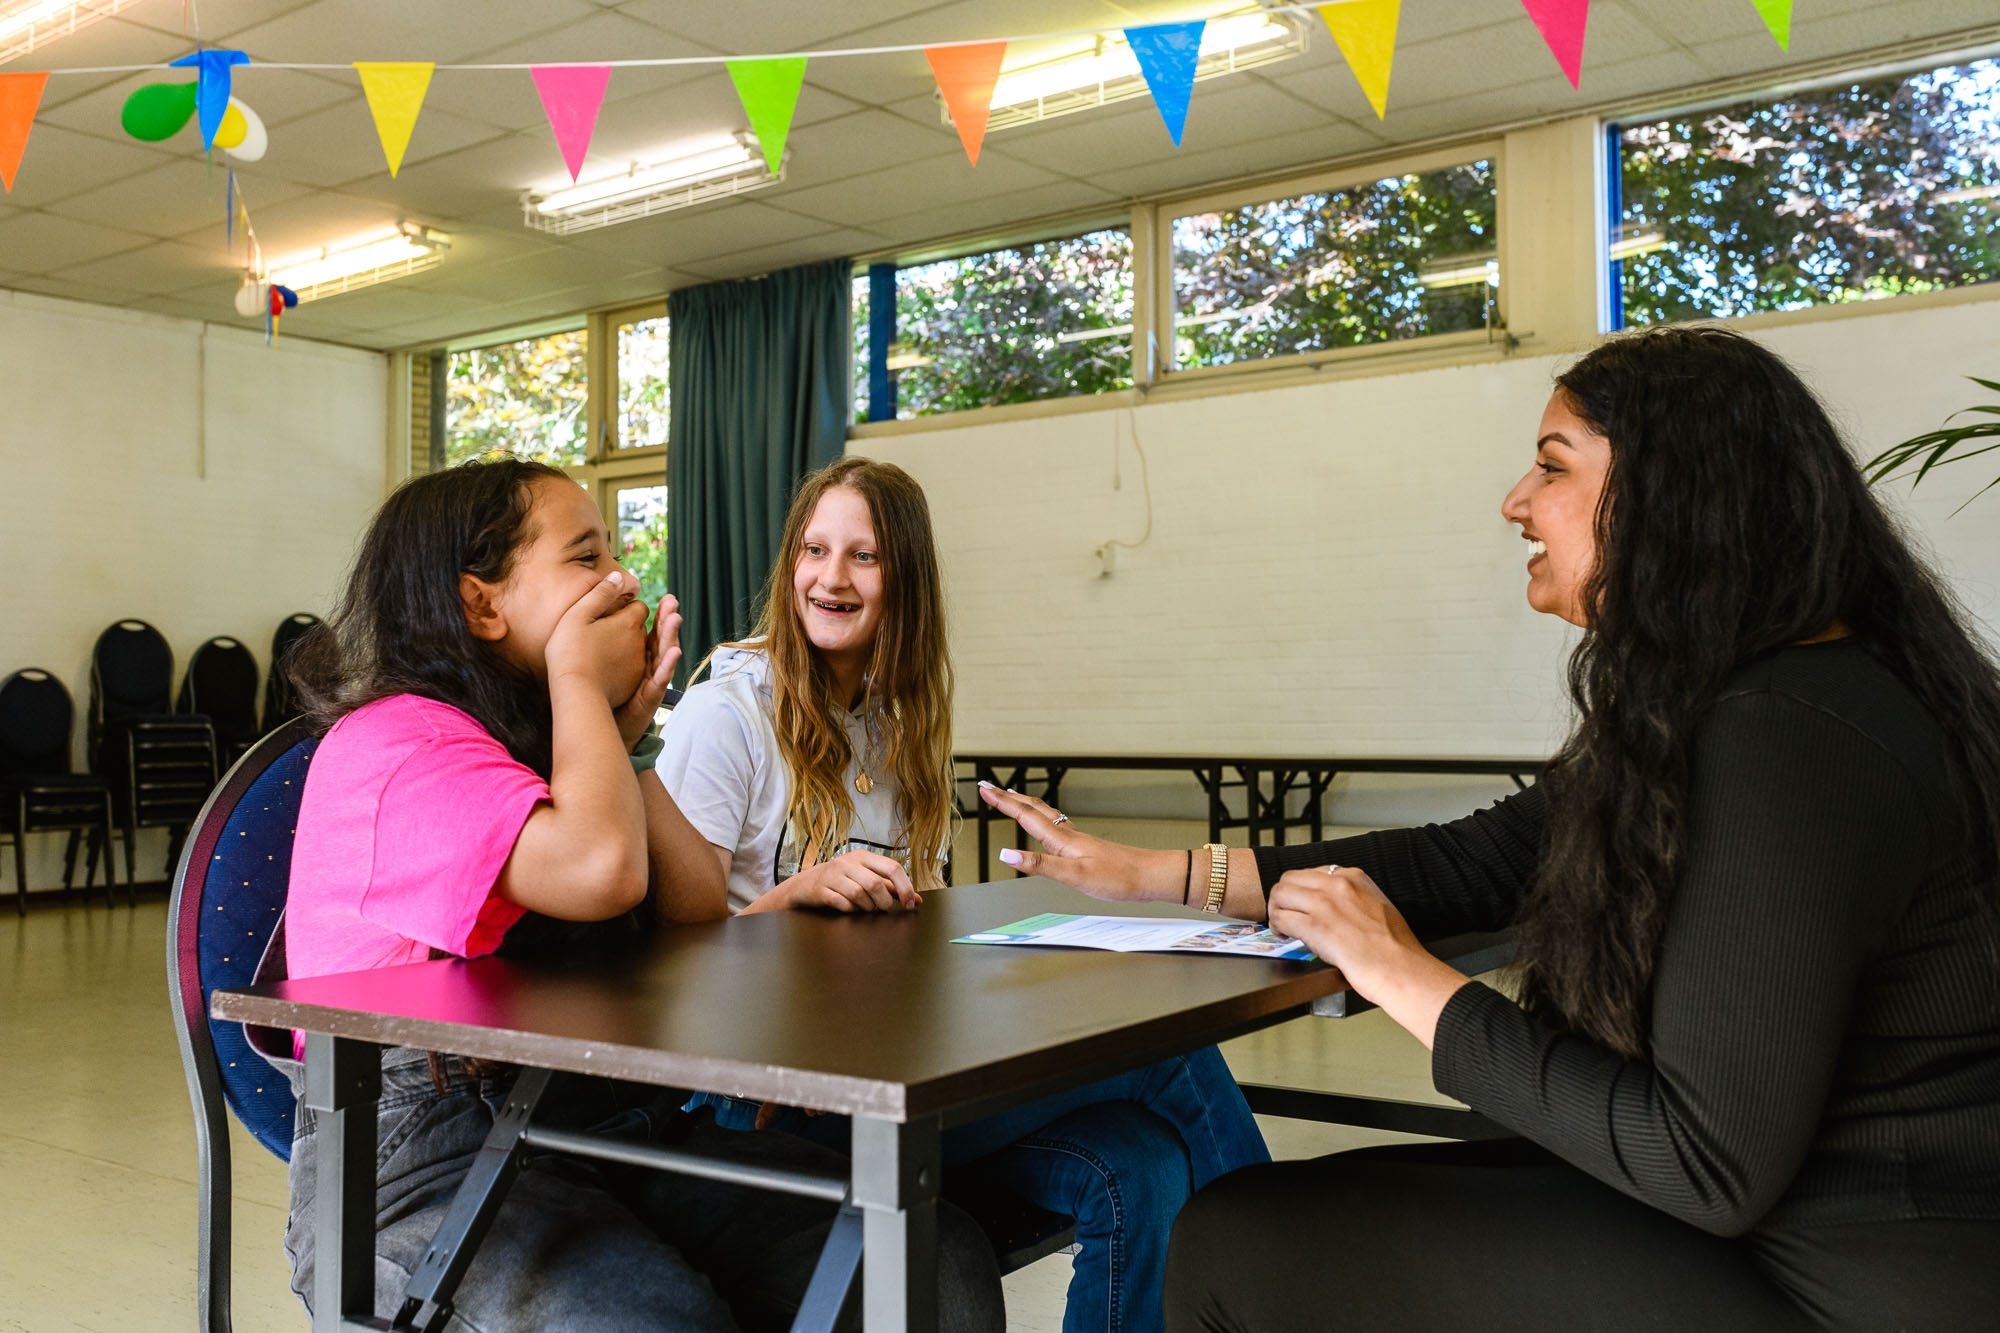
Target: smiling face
837, 582
567, 554
1556, 505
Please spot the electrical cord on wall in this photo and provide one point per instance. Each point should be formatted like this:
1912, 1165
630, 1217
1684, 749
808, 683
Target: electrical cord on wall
1107, 554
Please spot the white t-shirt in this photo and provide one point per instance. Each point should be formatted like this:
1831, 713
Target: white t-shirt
720, 762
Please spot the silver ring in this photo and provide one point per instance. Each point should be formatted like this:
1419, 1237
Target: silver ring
1061, 818
1330, 870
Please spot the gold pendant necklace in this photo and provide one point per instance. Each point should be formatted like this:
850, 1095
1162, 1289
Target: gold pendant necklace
864, 761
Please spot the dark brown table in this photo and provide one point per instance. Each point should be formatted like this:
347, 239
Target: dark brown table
877, 1016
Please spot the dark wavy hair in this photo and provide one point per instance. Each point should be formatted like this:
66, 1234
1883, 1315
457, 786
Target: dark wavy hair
400, 626
1733, 521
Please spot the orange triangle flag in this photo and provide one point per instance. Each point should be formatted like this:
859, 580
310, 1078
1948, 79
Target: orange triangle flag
1365, 31
20, 96
966, 75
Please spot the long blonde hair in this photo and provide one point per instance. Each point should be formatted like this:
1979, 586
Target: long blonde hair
907, 698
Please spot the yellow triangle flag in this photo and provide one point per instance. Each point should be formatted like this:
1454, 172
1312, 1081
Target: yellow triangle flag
1365, 31
395, 91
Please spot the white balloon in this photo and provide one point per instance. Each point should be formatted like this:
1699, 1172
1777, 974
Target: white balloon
255, 138
250, 299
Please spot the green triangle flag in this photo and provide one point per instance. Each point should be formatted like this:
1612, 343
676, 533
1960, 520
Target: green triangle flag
1777, 16
769, 91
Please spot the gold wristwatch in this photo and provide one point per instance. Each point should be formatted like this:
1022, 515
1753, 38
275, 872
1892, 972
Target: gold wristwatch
1218, 875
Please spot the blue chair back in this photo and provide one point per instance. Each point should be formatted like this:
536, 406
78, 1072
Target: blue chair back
229, 900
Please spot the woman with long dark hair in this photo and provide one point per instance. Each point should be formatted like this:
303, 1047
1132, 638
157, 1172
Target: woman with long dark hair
1755, 1065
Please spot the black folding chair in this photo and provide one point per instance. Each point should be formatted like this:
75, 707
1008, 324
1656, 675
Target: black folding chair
281, 699
221, 685
38, 792
160, 764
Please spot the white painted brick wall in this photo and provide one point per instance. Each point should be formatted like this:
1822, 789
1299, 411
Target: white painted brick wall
105, 511
1328, 571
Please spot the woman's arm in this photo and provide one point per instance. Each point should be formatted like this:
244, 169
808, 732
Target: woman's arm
582, 855
1805, 839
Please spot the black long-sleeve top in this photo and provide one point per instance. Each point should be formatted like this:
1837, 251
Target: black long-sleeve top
1825, 1039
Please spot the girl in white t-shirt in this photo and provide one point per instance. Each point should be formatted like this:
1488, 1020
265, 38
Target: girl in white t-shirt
816, 761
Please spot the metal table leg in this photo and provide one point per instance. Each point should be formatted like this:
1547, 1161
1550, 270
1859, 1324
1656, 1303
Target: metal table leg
896, 1170
343, 1082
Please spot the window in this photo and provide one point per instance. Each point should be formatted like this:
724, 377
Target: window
1378, 261
527, 398
642, 382
639, 525
1047, 319
1835, 194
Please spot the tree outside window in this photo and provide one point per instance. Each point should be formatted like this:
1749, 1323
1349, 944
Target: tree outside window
525, 398
1838, 194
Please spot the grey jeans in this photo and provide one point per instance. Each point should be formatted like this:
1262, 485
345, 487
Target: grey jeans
586, 1245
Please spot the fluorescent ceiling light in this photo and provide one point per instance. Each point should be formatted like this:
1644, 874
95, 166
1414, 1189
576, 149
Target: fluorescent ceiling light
1638, 243
363, 263
27, 24
1470, 271
1106, 71
715, 169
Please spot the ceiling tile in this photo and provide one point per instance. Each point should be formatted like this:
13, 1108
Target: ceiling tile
466, 183
674, 239
161, 268
754, 29
1275, 152
42, 243
339, 144
908, 186
58, 163
347, 30
172, 199
71, 289
276, 95
312, 221
767, 258
990, 214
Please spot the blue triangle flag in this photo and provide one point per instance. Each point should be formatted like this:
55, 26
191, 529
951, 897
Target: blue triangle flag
211, 94
1167, 53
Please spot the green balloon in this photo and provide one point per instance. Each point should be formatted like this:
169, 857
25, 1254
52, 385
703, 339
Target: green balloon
158, 110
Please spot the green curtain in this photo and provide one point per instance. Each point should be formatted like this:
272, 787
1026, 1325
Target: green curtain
762, 394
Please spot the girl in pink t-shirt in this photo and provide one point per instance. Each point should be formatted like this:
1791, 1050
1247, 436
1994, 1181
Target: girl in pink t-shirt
484, 685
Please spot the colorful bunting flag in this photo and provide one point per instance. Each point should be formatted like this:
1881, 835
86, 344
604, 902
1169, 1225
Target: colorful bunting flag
1561, 24
395, 91
769, 91
1365, 31
966, 76
1167, 53
211, 92
1777, 16
20, 97
571, 96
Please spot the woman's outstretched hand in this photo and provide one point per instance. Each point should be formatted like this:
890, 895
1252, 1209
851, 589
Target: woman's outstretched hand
1096, 866
1349, 922
663, 654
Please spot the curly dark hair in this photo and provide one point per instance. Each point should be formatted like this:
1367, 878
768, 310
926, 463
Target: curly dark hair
1734, 521
400, 626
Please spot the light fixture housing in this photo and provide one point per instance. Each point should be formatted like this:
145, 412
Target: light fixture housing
27, 24
1108, 71
411, 248
720, 170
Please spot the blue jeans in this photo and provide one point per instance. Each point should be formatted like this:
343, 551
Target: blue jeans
587, 1245
1120, 1156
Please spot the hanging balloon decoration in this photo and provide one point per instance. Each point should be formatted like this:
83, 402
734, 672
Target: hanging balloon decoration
158, 111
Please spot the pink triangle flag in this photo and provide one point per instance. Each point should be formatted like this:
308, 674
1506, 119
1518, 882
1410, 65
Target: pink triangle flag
571, 96
1561, 24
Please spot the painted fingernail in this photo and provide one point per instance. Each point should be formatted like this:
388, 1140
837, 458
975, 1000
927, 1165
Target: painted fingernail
989, 786
1010, 856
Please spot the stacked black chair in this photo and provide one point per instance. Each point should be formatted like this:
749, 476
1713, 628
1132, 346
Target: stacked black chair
38, 792
281, 701
221, 685
160, 764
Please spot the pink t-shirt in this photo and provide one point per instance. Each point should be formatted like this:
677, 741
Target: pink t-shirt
410, 811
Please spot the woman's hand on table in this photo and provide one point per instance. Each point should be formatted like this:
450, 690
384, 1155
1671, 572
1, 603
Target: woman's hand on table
1345, 919
857, 881
1096, 866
